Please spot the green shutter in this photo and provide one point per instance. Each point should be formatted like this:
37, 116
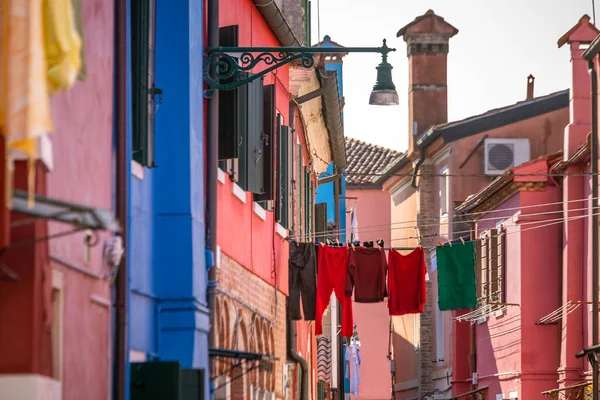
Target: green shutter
320, 220
283, 184
142, 61
242, 124
255, 149
229, 104
269, 115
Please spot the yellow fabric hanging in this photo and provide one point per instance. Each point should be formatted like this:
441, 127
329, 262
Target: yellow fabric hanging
40, 54
62, 44
24, 103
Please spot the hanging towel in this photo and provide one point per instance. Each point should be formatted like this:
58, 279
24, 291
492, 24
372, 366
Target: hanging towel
62, 44
354, 226
406, 282
346, 369
456, 276
24, 104
355, 381
367, 269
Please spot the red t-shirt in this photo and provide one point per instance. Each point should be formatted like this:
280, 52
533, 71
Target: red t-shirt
406, 282
367, 268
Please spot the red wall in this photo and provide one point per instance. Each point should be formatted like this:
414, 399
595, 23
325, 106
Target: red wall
242, 235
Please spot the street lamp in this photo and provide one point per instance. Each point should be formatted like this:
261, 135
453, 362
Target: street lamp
227, 68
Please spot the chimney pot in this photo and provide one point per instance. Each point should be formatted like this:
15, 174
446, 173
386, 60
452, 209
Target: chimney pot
530, 85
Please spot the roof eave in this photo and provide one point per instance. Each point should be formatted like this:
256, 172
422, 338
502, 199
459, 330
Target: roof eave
332, 112
277, 23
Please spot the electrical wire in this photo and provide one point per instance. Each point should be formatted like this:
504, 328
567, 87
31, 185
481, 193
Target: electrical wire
479, 175
368, 228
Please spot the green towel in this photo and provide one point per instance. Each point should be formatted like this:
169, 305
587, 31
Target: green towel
456, 276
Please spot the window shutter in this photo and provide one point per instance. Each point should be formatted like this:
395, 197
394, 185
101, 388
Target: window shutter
484, 268
229, 104
283, 176
242, 135
501, 265
269, 112
255, 149
493, 266
142, 74
321, 220
478, 263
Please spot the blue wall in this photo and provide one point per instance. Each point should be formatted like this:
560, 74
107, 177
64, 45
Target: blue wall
325, 192
169, 315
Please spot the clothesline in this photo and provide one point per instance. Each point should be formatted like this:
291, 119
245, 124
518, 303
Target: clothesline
468, 231
362, 229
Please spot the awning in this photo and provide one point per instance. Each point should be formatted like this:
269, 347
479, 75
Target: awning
79, 216
82, 217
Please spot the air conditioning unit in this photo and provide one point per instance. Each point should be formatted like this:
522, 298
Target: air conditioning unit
503, 154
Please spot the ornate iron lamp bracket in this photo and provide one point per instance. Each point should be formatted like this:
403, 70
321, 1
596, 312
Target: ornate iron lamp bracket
227, 68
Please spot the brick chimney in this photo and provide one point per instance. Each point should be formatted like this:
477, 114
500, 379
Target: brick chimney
530, 84
427, 40
578, 38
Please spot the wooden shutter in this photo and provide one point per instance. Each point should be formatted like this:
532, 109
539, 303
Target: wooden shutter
493, 266
501, 264
321, 220
142, 76
229, 104
478, 263
255, 149
269, 118
484, 268
283, 175
242, 134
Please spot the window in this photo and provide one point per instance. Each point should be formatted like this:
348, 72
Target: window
444, 192
57, 327
439, 333
492, 272
270, 122
241, 127
308, 203
143, 33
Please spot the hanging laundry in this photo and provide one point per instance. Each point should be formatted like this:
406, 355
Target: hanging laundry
456, 276
302, 280
347, 357
406, 282
354, 226
367, 269
355, 380
432, 261
331, 277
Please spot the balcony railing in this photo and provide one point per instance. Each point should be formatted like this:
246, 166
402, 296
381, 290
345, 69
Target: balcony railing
477, 394
582, 391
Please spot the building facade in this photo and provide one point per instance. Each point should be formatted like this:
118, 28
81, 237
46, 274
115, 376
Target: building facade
445, 163
169, 319
540, 216
55, 283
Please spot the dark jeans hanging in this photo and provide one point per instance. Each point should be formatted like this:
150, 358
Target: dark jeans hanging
302, 281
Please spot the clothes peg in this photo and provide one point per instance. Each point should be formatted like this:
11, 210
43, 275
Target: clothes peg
328, 241
322, 244
440, 243
449, 243
462, 240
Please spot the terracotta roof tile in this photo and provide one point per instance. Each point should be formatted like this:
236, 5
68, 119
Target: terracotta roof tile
366, 158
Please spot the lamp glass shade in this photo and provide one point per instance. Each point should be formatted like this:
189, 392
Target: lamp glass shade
385, 97
384, 92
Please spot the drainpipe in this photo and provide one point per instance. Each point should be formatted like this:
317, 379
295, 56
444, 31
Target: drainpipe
120, 345
595, 272
419, 162
291, 346
212, 144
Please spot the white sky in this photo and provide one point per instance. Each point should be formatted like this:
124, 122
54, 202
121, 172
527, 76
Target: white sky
500, 42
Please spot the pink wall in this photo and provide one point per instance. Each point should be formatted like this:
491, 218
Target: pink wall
82, 142
513, 353
373, 210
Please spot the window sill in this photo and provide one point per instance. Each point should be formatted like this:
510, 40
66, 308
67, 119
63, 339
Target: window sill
238, 192
259, 211
280, 230
137, 170
221, 175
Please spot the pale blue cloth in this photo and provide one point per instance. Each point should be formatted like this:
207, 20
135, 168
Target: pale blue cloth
355, 381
